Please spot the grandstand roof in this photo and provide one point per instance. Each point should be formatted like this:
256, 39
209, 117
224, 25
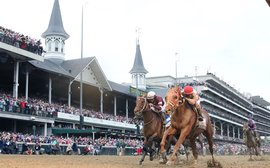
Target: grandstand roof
50, 66
75, 66
16, 53
56, 25
120, 88
260, 101
72, 68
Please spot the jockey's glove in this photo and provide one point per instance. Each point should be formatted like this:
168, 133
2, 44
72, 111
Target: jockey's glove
153, 108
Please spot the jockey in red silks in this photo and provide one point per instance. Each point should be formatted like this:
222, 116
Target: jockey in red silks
156, 103
192, 97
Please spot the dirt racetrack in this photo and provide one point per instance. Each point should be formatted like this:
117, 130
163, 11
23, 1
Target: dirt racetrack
64, 161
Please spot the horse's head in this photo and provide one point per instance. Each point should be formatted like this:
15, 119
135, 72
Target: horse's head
141, 104
173, 97
245, 127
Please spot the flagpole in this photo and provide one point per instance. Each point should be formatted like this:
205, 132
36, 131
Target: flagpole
81, 76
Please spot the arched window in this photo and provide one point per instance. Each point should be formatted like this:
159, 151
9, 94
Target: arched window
62, 48
56, 45
50, 45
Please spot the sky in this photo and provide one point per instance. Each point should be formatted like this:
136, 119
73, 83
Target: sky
230, 39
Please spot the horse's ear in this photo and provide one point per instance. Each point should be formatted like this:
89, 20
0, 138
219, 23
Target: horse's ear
179, 89
144, 94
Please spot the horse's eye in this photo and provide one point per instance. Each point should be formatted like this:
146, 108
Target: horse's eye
174, 97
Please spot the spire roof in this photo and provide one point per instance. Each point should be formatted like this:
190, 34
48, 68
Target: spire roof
56, 25
138, 66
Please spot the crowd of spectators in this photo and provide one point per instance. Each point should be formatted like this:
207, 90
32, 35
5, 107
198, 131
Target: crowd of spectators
20, 40
18, 143
13, 143
41, 107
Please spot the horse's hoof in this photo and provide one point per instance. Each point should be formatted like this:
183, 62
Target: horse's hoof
162, 161
140, 163
169, 163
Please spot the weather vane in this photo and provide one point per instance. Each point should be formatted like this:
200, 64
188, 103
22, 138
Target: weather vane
138, 33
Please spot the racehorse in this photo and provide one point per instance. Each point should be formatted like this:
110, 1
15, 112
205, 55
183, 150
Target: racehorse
153, 126
253, 144
184, 120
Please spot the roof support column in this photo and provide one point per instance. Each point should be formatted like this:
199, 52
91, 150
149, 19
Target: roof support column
214, 128
101, 100
45, 129
221, 129
70, 92
16, 80
115, 105
14, 125
93, 134
127, 109
238, 133
50, 90
26, 84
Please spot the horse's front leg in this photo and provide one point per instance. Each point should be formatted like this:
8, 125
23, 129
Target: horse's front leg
162, 144
163, 141
183, 135
143, 155
250, 154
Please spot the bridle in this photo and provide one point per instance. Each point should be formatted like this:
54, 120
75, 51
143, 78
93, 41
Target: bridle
143, 108
144, 105
180, 100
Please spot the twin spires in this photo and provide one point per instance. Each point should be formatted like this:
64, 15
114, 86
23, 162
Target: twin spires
55, 37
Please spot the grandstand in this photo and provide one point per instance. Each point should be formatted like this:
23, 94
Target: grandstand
40, 94
228, 108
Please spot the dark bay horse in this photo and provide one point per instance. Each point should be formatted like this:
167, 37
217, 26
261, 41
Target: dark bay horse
253, 144
153, 127
184, 120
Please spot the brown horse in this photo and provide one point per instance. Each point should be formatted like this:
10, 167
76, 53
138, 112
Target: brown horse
153, 127
184, 120
252, 142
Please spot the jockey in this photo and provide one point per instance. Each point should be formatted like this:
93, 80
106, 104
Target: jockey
192, 97
252, 126
156, 103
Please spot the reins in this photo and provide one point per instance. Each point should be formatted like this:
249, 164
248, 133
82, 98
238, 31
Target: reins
144, 106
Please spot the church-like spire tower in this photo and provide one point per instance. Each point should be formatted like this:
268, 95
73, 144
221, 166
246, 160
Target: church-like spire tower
55, 36
138, 71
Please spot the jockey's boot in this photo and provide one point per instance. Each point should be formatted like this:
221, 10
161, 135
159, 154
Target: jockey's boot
200, 117
142, 131
163, 118
198, 109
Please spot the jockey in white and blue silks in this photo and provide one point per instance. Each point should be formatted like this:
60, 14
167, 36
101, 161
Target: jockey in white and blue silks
167, 120
166, 116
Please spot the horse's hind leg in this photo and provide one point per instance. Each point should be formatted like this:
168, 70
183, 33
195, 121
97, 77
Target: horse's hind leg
143, 154
193, 147
209, 137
